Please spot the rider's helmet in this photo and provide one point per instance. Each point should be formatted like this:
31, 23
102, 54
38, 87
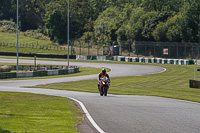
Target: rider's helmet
104, 71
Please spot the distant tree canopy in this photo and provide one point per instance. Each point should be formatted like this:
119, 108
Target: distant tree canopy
103, 20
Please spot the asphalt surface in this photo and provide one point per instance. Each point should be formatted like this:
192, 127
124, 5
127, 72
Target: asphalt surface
122, 113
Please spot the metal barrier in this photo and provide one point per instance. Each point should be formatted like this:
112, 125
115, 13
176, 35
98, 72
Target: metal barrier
56, 70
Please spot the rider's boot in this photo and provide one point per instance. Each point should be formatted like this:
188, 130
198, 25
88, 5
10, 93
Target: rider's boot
98, 86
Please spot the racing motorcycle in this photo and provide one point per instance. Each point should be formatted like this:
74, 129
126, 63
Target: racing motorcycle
104, 85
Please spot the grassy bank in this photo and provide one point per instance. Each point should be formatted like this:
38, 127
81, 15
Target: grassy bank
23, 112
32, 50
12, 38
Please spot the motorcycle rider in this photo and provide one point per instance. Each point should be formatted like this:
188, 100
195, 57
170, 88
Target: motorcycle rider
102, 74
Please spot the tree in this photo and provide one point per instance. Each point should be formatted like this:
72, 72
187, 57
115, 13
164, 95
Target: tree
30, 14
190, 21
136, 26
125, 17
56, 25
151, 24
173, 33
162, 5
8, 9
107, 24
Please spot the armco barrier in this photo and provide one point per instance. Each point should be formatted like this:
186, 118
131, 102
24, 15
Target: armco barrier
36, 74
24, 74
32, 67
43, 73
76, 70
52, 72
1, 75
81, 57
6, 75
29, 74
70, 71
62, 72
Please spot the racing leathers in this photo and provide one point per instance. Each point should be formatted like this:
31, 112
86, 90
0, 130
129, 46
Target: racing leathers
100, 76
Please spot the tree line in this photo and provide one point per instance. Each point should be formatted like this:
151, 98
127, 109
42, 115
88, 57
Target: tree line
105, 20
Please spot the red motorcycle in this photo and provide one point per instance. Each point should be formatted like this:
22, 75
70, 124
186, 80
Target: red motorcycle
104, 85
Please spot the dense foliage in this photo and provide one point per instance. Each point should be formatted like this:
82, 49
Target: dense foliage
104, 20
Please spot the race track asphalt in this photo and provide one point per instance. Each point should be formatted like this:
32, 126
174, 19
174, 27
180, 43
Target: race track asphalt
121, 113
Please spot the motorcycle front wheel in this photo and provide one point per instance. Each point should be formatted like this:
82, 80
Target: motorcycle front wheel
105, 91
101, 92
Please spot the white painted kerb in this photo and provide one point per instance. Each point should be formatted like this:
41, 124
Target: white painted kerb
88, 115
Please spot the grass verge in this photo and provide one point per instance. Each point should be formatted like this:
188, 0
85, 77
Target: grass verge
24, 112
173, 83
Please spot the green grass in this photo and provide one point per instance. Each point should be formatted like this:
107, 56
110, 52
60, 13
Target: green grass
12, 38
173, 83
34, 113
32, 50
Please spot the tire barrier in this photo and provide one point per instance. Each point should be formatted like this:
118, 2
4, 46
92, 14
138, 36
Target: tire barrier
91, 57
102, 58
140, 59
110, 58
56, 70
81, 57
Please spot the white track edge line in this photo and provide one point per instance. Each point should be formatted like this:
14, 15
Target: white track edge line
88, 115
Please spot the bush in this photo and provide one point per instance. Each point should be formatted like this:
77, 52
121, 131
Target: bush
11, 27
5, 68
7, 26
35, 34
